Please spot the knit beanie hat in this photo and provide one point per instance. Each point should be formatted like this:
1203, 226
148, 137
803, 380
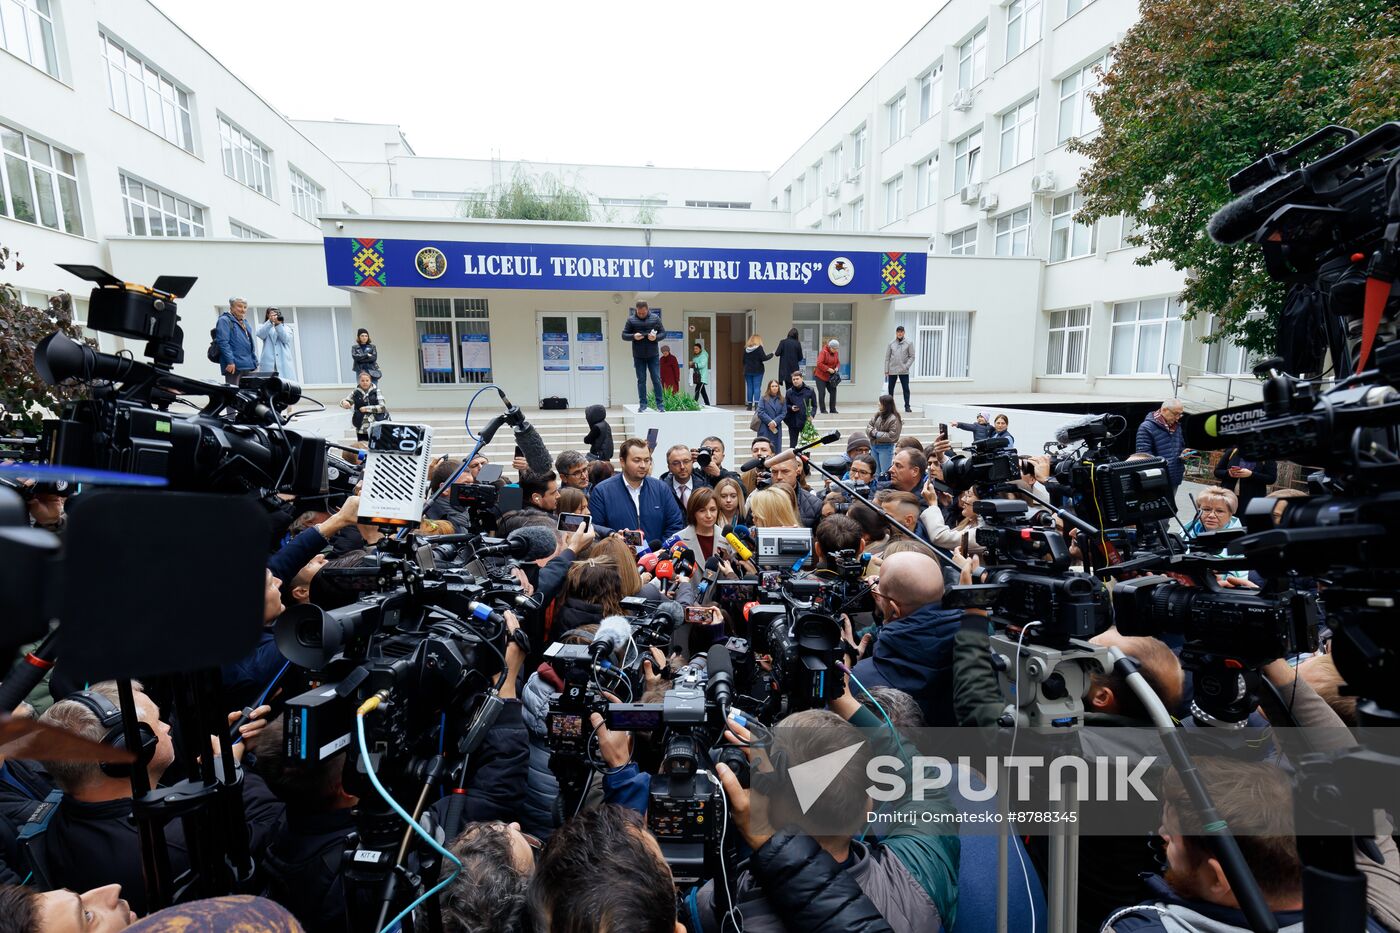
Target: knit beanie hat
856, 439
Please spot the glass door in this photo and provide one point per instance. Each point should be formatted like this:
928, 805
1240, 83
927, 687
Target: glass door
573, 356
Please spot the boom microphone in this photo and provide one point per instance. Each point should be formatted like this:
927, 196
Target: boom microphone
537, 456
532, 542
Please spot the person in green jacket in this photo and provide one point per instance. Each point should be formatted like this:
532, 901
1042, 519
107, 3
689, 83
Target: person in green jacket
699, 368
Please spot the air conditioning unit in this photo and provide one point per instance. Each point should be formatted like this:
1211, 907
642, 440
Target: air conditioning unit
853, 177
833, 189
971, 192
1044, 183
988, 201
962, 99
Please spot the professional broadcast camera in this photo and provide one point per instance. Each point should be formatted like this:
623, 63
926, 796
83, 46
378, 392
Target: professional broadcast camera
237, 442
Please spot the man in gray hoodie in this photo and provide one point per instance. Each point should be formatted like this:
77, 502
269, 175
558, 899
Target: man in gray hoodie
899, 360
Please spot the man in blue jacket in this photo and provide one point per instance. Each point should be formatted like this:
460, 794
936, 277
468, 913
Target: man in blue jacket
237, 354
1160, 435
914, 647
633, 499
642, 330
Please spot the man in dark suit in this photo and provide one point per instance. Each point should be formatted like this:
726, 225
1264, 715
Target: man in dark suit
633, 499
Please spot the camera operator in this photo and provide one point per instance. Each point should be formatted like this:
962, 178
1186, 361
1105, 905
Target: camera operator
760, 449
681, 478
715, 471
488, 895
442, 507
547, 576
809, 507
914, 648
92, 838
100, 910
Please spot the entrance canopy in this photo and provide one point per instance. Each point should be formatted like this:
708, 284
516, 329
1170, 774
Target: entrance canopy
382, 253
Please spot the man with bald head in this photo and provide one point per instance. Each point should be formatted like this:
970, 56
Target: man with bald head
914, 647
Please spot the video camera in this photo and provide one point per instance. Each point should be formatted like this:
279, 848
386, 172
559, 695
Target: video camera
993, 461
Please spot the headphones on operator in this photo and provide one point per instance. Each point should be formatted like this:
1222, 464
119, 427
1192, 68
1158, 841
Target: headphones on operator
109, 717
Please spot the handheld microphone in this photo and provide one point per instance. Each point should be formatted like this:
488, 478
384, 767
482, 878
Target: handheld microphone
720, 670
665, 570
529, 543
711, 569
739, 547
648, 563
537, 456
612, 636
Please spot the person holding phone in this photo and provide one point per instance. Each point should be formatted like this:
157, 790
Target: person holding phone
1247, 479
642, 330
768, 419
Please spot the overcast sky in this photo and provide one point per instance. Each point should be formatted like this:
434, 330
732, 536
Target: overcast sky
724, 84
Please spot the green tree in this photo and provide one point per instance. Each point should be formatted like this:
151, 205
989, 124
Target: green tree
25, 399
1199, 89
532, 197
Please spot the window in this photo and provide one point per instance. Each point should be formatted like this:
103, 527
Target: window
858, 149
632, 202
151, 211
798, 186
1022, 26
963, 242
722, 205
445, 326
858, 214
967, 153
894, 197
306, 196
926, 175
1069, 238
787, 198
321, 339
1225, 357
1077, 117
930, 92
136, 89
1018, 135
1074, 6
1146, 337
816, 177
447, 195
245, 232
941, 342
40, 182
972, 59
1129, 228
1014, 233
833, 220
837, 164
817, 323
246, 160
26, 30
894, 117
1069, 341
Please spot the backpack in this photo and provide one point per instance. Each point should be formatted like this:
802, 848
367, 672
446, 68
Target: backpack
213, 353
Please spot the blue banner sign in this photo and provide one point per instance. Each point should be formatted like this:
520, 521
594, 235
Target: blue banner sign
371, 262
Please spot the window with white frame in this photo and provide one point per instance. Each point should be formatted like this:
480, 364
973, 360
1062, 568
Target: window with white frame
894, 198
894, 118
972, 59
1013, 233
26, 30
152, 211
138, 90
246, 160
798, 187
1018, 135
1127, 228
927, 177
838, 164
1146, 337
1077, 117
723, 205
245, 232
1069, 238
321, 339
306, 196
1022, 26
40, 183
1068, 346
963, 242
1074, 6
818, 322
942, 340
967, 156
833, 220
1225, 357
930, 92
858, 149
858, 214
787, 198
454, 322
816, 177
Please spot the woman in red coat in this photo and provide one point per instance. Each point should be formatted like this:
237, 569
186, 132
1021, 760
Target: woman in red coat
828, 364
670, 370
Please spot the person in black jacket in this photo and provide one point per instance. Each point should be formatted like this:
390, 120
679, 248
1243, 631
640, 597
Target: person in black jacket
754, 358
1247, 479
789, 354
801, 404
365, 356
642, 330
599, 437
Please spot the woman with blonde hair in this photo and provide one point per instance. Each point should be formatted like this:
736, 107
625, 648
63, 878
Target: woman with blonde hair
754, 358
729, 495
623, 558
773, 507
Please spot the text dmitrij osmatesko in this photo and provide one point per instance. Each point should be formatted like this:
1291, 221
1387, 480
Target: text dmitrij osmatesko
936, 817
613, 267
1106, 778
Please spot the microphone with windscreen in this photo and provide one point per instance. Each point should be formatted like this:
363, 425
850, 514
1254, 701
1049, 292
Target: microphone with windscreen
537, 457
612, 636
720, 683
532, 542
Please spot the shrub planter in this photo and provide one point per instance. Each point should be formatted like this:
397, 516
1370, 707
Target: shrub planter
682, 427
